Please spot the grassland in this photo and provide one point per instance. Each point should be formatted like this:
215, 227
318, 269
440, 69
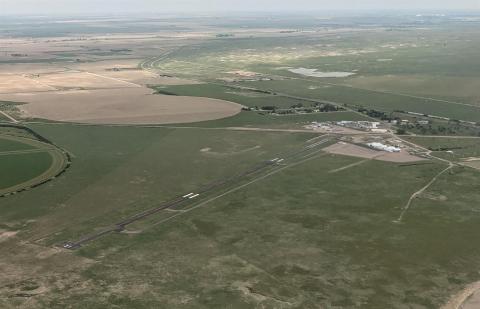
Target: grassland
3, 118
254, 99
244, 97
411, 70
22, 167
254, 119
451, 148
10, 145
26, 162
131, 168
314, 232
387, 102
301, 239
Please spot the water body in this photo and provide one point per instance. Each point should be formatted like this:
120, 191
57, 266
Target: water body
316, 73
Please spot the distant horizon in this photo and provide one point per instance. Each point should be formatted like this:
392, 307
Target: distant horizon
320, 13
189, 7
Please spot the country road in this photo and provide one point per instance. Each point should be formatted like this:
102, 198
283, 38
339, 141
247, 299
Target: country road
9, 117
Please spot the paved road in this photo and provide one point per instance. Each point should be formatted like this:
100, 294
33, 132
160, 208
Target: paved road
9, 117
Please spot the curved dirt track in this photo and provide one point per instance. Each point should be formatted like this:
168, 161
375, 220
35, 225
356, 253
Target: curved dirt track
461, 299
59, 163
120, 106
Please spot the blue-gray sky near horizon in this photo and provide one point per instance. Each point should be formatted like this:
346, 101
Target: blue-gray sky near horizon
188, 6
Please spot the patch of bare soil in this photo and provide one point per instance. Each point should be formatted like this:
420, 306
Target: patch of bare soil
473, 301
5, 235
143, 77
121, 106
468, 298
92, 75
347, 149
10, 83
30, 273
79, 80
401, 157
243, 73
472, 163
127, 70
434, 197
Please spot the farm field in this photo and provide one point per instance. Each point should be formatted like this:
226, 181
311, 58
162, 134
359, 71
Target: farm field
26, 163
22, 167
294, 122
365, 98
182, 163
391, 71
105, 107
324, 242
457, 149
244, 97
109, 154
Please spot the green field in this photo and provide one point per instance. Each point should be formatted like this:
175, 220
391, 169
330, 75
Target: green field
247, 98
303, 236
307, 230
370, 99
254, 119
3, 118
10, 145
450, 148
19, 168
255, 99
26, 162
315, 244
134, 168
431, 71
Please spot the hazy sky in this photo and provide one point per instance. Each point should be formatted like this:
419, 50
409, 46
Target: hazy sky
188, 6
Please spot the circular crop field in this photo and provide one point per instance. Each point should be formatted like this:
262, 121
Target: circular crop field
26, 163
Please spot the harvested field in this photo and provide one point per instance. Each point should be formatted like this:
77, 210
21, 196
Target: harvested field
363, 152
30, 68
80, 80
10, 83
121, 106
146, 78
128, 70
103, 79
98, 66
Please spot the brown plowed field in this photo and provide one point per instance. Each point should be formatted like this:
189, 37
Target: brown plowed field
120, 106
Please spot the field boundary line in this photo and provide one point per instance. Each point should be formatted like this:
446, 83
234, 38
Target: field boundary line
59, 163
9, 117
382, 91
115, 79
286, 95
26, 151
51, 88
